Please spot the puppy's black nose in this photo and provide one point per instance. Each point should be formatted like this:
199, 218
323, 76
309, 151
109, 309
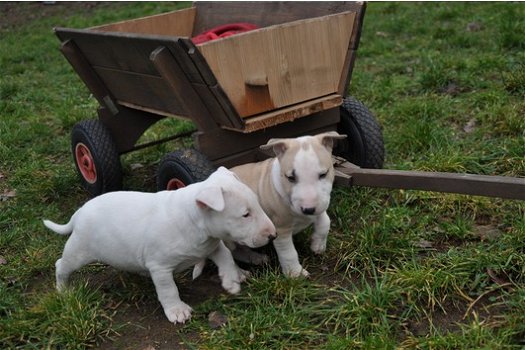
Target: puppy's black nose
271, 238
308, 211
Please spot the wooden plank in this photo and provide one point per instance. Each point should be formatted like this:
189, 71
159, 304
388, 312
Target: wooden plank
255, 155
222, 143
346, 76
209, 99
88, 75
480, 185
120, 51
265, 13
291, 113
199, 61
182, 89
128, 51
148, 91
299, 61
174, 23
152, 111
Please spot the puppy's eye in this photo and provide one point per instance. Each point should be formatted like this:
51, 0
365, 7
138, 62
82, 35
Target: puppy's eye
246, 215
323, 175
291, 177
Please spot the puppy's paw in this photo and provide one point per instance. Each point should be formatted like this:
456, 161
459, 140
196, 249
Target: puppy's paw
318, 246
231, 286
180, 313
295, 272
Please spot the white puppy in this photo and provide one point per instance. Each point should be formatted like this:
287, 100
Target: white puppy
165, 232
294, 190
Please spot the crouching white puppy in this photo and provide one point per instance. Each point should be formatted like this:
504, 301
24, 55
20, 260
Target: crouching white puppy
165, 232
294, 190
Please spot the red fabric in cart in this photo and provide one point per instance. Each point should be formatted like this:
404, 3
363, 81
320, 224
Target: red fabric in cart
223, 31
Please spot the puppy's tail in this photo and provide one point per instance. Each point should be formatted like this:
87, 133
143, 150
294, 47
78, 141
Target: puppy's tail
60, 229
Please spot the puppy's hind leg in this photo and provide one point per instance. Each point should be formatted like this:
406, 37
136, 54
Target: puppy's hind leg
65, 267
73, 258
321, 228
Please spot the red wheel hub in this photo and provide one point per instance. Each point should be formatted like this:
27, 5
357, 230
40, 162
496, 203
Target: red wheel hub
85, 163
175, 184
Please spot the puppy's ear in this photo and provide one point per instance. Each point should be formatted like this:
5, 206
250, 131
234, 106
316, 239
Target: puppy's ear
210, 197
327, 139
274, 147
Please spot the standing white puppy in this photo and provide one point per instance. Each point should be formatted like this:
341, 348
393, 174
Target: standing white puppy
294, 190
165, 232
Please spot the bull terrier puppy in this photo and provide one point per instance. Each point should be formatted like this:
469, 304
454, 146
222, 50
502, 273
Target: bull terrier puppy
294, 190
166, 232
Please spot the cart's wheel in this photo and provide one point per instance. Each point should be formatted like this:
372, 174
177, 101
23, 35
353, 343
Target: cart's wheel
96, 157
364, 144
181, 168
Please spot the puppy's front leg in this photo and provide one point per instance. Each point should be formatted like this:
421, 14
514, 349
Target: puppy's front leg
288, 256
175, 309
231, 275
321, 228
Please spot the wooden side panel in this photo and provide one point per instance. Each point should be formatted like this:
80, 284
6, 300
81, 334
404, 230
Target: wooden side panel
281, 65
144, 90
265, 13
125, 52
233, 144
175, 23
292, 113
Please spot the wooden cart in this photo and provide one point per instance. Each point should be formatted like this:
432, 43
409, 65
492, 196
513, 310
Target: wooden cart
287, 78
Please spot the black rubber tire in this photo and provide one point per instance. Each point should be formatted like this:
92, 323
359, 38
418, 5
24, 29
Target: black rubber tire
364, 145
106, 160
186, 166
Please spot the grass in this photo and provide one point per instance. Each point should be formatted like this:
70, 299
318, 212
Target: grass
404, 269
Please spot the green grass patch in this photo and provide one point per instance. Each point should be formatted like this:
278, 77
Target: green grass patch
403, 269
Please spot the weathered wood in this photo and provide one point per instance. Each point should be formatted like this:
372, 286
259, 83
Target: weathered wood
119, 51
174, 23
480, 185
182, 89
355, 39
301, 60
265, 13
198, 60
116, 63
128, 51
216, 110
148, 91
235, 120
255, 155
219, 102
222, 143
291, 113
90, 77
